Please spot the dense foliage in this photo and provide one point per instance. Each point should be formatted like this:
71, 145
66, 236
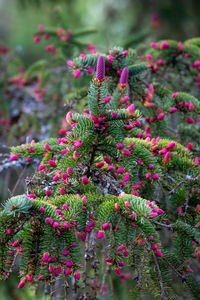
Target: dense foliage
114, 203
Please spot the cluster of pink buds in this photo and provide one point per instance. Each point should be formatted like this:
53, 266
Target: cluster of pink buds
39, 93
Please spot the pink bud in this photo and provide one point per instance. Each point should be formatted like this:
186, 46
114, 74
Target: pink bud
155, 176
127, 204
167, 157
48, 193
77, 73
55, 225
161, 116
47, 147
158, 253
62, 191
51, 269
21, 284
196, 161
126, 177
56, 178
171, 145
131, 110
85, 180
49, 221
41, 167
154, 247
150, 238
100, 164
148, 176
9, 231
66, 252
36, 39
127, 152
190, 120
77, 144
29, 277
120, 170
14, 157
77, 275
191, 107
114, 115
89, 70
120, 146
100, 234
52, 163
173, 109
68, 272
45, 256
42, 209
105, 226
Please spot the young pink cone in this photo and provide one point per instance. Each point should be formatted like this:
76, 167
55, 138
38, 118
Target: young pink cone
124, 77
100, 69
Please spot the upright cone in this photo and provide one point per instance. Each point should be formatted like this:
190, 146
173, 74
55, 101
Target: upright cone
124, 77
100, 72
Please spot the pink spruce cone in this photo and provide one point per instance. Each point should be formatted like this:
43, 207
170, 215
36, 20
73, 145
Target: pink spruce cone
124, 76
100, 72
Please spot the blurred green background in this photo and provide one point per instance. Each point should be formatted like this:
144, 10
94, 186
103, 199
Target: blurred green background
116, 21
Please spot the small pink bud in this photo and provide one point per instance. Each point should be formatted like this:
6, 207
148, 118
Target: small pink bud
196, 161
52, 163
120, 146
126, 152
190, 120
77, 73
131, 110
55, 225
127, 204
161, 116
100, 164
167, 157
148, 176
49, 221
48, 193
100, 234
51, 269
155, 176
21, 284
56, 178
171, 145
45, 256
42, 209
158, 253
36, 39
85, 180
29, 277
154, 247
105, 226
14, 157
47, 147
9, 231
68, 272
77, 275
173, 109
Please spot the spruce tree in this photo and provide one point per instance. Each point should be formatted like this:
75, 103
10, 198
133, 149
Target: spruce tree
97, 211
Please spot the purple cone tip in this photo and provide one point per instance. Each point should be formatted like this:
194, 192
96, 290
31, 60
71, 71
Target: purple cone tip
124, 76
100, 72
